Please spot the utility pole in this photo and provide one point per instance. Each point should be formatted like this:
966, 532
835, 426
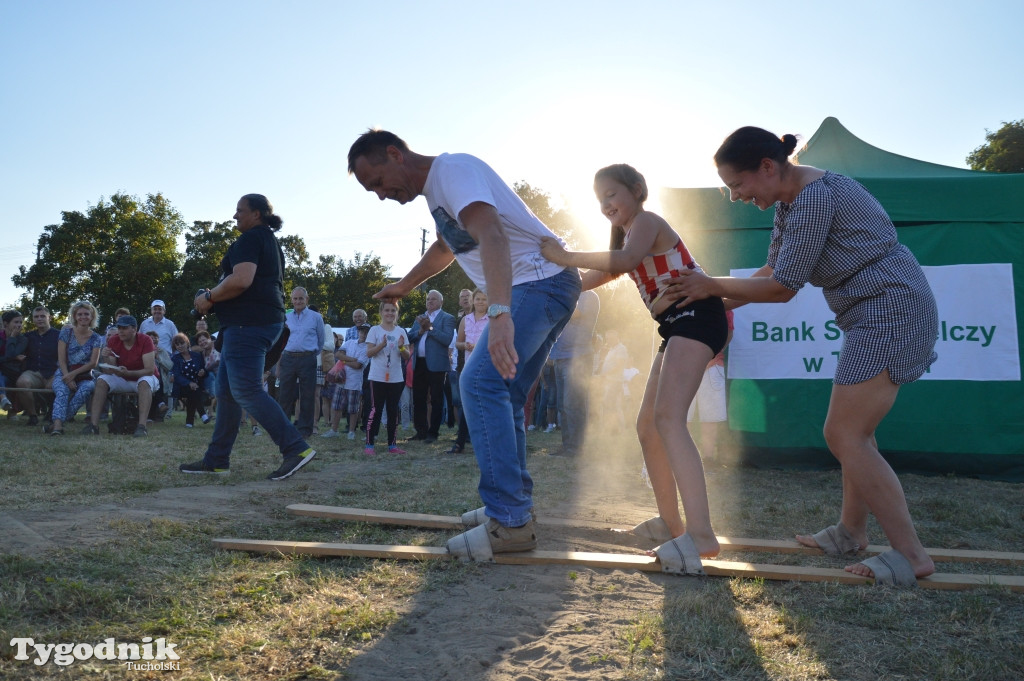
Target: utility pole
423, 250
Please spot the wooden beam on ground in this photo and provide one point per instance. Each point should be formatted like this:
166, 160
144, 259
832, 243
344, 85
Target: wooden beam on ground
728, 544
717, 568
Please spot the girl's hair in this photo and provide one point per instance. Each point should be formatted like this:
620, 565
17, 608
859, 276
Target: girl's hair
75, 307
380, 308
476, 291
11, 315
259, 203
745, 148
629, 177
180, 337
201, 334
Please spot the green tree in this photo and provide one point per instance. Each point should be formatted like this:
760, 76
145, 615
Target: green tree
206, 243
120, 252
296, 259
1003, 151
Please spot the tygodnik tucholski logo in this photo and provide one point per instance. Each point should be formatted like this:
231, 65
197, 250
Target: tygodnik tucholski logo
153, 654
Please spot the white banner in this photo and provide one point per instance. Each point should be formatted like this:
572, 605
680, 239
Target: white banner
800, 339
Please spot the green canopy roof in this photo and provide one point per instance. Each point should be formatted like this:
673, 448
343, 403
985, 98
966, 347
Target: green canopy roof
912, 191
836, 148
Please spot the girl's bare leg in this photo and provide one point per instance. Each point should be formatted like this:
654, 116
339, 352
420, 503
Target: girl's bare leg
680, 376
655, 456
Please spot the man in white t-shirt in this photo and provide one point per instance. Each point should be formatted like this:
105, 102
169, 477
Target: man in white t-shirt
496, 238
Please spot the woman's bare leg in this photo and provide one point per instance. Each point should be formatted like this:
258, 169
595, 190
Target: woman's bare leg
869, 482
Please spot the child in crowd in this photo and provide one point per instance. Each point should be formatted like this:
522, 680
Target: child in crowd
353, 354
387, 348
188, 369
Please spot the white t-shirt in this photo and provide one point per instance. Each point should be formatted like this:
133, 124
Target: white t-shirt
457, 180
386, 365
354, 377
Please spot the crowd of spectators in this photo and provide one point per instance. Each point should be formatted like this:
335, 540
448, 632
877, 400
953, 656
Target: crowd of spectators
47, 375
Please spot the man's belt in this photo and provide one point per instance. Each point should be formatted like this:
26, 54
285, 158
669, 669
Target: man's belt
300, 352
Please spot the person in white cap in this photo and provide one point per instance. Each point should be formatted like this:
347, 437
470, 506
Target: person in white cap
165, 329
163, 326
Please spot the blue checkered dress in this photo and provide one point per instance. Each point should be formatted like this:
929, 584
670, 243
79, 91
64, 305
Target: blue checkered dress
837, 236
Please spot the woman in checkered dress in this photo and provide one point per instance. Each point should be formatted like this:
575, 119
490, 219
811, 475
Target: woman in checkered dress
830, 232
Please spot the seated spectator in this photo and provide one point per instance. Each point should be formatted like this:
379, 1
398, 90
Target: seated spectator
164, 364
201, 327
188, 371
128, 367
165, 330
78, 353
121, 312
211, 360
40, 362
12, 356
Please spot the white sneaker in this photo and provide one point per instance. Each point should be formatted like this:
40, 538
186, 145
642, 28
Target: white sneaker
352, 435
256, 430
5, 404
531, 427
551, 428
330, 433
205, 418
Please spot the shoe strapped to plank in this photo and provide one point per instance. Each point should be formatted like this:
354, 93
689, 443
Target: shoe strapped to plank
474, 517
680, 557
654, 529
891, 567
483, 541
836, 540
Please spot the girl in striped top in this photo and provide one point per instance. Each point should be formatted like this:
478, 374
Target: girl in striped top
646, 247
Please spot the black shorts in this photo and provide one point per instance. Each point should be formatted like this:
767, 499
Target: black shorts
702, 320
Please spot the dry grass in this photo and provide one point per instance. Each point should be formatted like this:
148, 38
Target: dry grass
275, 617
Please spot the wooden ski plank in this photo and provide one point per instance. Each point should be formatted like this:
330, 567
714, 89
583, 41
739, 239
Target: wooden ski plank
728, 544
365, 515
718, 568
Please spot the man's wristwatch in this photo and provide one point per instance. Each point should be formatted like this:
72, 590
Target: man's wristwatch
496, 310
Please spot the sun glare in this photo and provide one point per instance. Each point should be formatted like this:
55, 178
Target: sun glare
559, 148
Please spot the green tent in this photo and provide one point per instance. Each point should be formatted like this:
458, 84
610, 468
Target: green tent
946, 216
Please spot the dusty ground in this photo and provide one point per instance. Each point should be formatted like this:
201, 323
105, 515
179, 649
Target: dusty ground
528, 622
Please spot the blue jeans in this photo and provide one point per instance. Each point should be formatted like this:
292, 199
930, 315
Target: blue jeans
240, 386
494, 406
572, 378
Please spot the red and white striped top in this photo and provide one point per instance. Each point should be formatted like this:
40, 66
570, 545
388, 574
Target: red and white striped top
651, 274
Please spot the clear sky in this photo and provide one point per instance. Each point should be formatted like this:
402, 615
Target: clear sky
205, 101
